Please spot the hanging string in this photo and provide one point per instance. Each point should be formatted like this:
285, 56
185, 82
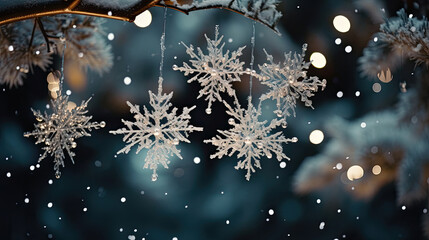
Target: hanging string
161, 64
63, 40
252, 60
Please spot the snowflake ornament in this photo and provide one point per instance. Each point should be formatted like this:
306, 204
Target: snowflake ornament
59, 130
250, 138
289, 82
159, 130
215, 71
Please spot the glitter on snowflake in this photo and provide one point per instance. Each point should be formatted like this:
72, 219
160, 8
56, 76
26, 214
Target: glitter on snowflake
250, 138
289, 82
216, 71
159, 130
59, 130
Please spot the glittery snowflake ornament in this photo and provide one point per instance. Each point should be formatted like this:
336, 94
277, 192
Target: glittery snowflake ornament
288, 81
59, 130
159, 130
215, 71
250, 138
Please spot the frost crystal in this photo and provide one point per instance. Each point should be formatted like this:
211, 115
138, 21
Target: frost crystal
59, 130
288, 82
250, 138
215, 71
159, 130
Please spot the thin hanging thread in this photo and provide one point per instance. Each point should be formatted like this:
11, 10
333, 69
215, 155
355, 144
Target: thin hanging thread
161, 64
252, 60
62, 68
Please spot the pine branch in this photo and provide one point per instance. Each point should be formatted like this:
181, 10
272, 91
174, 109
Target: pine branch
263, 11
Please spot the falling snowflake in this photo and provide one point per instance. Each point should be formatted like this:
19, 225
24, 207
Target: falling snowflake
59, 130
216, 71
289, 82
159, 130
250, 138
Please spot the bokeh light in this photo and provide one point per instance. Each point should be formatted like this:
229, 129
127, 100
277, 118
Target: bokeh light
376, 170
316, 137
355, 172
318, 60
144, 19
341, 23
376, 87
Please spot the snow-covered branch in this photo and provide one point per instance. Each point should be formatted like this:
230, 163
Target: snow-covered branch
263, 11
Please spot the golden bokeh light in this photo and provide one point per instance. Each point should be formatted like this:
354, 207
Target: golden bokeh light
316, 137
318, 60
376, 170
143, 19
355, 172
341, 23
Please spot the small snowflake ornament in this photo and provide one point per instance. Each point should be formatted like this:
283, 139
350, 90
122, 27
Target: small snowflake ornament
59, 130
250, 138
159, 130
215, 71
288, 82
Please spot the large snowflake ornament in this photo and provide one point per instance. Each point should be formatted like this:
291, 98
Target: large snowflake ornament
215, 71
59, 130
250, 138
159, 130
288, 81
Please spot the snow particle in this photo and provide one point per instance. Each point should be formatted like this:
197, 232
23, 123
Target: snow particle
10, 48
271, 212
318, 201
175, 238
322, 225
50, 205
197, 160
26, 200
85, 209
363, 125
338, 41
110, 36
32, 167
123, 199
340, 94
50, 181
348, 49
227, 221
8, 174
282, 164
425, 210
357, 93
404, 207
127, 80
68, 92
375, 39
339, 166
